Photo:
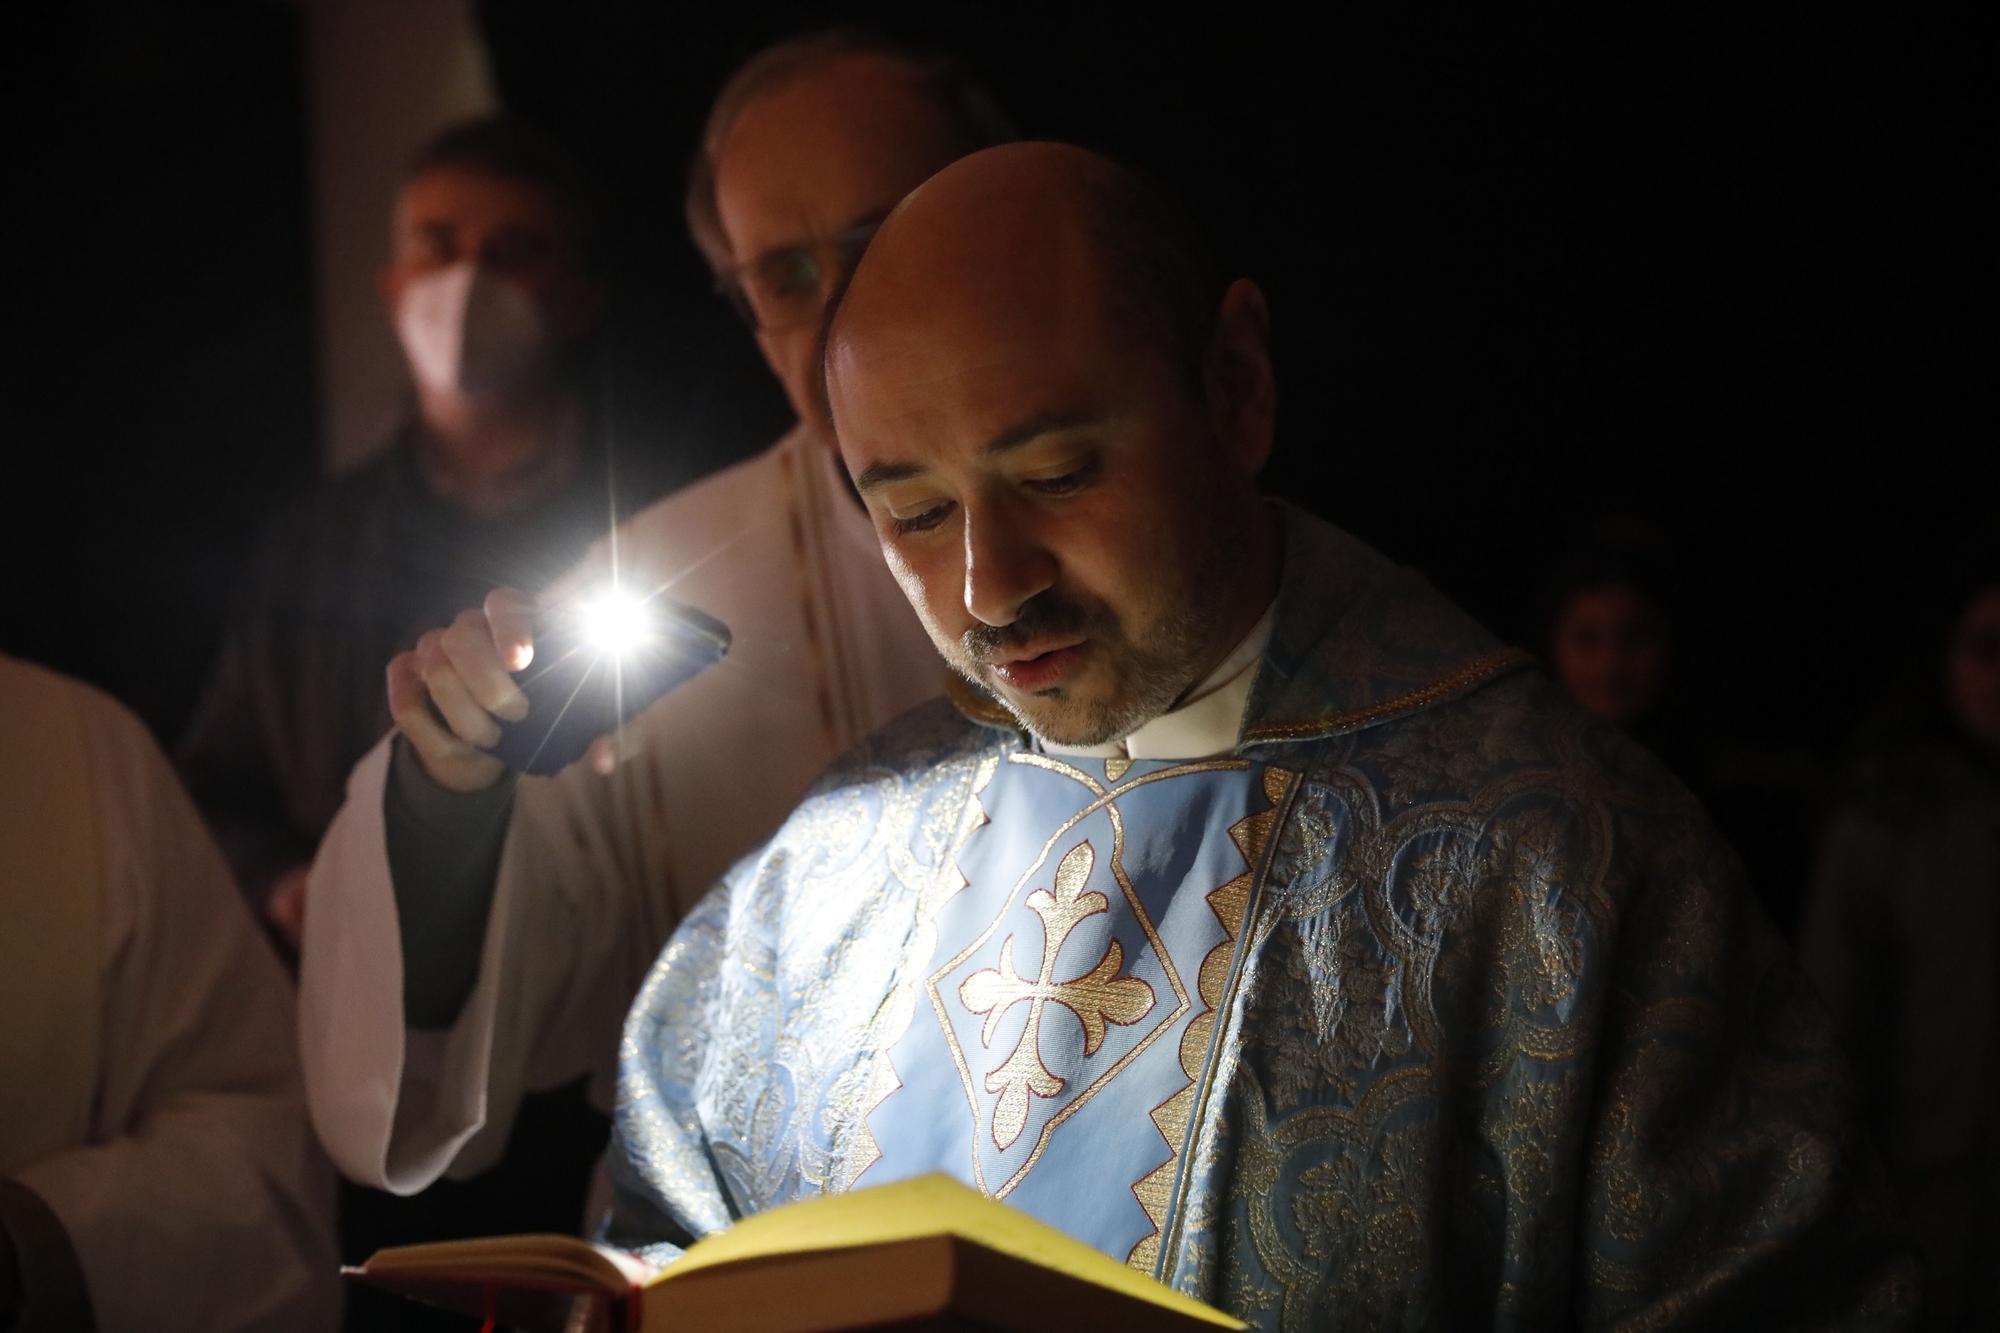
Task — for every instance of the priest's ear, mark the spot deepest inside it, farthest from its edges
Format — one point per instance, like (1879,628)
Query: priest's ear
(1237,378)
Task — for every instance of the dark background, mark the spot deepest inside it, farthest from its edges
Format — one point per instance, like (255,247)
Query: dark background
(1729,272)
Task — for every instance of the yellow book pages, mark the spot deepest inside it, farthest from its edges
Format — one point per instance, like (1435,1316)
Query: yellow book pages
(927,1206)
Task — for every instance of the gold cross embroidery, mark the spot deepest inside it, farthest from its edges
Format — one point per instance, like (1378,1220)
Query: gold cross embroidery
(1097,997)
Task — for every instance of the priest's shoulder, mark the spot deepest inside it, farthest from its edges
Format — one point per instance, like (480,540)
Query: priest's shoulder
(1518,745)
(1531,716)
(933,735)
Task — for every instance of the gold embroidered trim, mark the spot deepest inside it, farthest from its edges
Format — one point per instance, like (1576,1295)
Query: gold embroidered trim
(1473,673)
(1182,1002)
(1107,802)
(1053,765)
(1105,995)
(1231,903)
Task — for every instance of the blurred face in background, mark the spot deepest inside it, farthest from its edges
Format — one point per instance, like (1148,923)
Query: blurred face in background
(1972,669)
(806,173)
(1610,650)
(486,287)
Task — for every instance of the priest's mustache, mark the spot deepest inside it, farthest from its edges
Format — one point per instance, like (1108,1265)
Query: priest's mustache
(1047,616)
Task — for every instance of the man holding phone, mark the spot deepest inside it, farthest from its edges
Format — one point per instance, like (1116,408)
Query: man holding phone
(497,474)
(476,934)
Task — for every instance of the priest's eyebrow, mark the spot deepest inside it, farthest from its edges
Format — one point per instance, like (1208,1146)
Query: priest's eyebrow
(877,475)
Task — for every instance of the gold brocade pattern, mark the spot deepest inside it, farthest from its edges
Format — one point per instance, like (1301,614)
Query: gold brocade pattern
(1497,1039)
(893,1019)
(1474,673)
(1516,951)
(1102,995)
(1231,904)
(1106,801)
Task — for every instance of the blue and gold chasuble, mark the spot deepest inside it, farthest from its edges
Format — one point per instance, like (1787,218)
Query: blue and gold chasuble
(1065,1019)
(1432,1004)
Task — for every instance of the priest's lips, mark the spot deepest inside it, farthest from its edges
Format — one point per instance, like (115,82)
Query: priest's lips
(1039,666)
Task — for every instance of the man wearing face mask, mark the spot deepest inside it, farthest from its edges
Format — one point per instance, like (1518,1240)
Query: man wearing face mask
(496,477)
(493,479)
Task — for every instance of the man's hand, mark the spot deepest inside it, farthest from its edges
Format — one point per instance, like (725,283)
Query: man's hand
(285,904)
(463,672)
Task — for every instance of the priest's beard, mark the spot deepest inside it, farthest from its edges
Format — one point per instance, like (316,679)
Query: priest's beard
(1140,664)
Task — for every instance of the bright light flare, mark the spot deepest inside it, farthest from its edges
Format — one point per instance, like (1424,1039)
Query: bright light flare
(615,622)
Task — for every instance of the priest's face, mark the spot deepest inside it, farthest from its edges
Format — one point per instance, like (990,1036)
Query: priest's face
(1067,515)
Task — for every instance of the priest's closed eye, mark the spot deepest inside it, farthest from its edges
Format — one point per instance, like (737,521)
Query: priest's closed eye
(921,521)
(1068,482)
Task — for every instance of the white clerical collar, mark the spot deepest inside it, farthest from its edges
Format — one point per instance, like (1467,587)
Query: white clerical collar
(1209,718)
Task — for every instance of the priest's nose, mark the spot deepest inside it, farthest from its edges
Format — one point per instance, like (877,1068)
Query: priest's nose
(1005,565)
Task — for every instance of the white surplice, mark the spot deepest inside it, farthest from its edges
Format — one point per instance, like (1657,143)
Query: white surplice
(175,1150)
(595,871)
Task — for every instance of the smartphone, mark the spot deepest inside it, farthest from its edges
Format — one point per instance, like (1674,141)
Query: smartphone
(585,681)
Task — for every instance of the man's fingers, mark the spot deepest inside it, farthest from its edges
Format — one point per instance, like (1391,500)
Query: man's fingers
(510,618)
(471,723)
(410,707)
(469,646)
(285,907)
(450,761)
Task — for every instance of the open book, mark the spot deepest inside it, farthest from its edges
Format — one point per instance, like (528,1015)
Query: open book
(927,1249)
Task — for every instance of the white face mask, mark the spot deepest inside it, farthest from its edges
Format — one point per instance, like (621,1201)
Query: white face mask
(468,331)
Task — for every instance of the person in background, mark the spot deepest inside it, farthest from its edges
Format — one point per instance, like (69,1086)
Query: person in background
(157,1171)
(1902,932)
(1612,625)
(1622,640)
(475,935)
(499,475)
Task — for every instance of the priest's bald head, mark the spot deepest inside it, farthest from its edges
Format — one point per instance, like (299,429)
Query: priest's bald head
(1056,417)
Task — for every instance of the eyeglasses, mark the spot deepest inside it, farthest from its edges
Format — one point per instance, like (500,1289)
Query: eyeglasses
(787,288)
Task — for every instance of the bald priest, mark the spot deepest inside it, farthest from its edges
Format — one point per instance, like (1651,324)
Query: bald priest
(1251,915)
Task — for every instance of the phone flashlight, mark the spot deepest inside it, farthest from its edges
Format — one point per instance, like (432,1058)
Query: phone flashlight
(598,663)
